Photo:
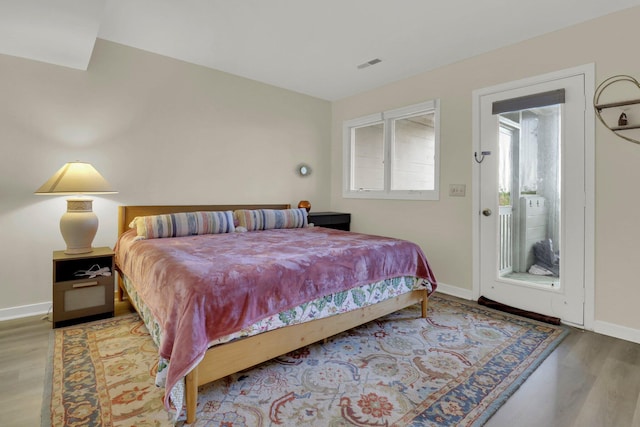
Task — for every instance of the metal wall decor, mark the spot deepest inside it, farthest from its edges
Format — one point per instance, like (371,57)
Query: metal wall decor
(625,121)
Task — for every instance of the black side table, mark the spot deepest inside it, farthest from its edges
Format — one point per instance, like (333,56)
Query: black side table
(337,220)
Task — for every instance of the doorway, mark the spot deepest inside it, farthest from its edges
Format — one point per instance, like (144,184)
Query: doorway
(532,178)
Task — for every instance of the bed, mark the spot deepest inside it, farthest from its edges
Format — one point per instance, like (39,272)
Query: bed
(230,348)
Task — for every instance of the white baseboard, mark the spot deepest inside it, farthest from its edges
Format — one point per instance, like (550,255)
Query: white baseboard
(617,331)
(455,291)
(24,311)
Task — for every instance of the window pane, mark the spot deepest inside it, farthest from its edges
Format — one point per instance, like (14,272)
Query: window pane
(413,152)
(505,141)
(368,157)
(530,229)
(393,154)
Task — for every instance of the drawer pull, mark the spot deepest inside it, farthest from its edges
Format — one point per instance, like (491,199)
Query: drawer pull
(85,284)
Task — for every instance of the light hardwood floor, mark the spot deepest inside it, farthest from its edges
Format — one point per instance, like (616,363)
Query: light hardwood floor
(590,380)
(24,347)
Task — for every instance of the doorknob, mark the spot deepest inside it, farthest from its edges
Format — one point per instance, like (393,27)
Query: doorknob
(486,212)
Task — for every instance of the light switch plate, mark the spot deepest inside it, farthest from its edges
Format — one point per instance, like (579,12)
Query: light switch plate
(457,190)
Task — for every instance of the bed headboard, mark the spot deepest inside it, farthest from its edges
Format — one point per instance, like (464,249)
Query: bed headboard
(126,214)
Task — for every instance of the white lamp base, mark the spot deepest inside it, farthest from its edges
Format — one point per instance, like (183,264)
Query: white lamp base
(79,226)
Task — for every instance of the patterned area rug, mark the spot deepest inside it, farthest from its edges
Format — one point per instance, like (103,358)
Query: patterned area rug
(455,368)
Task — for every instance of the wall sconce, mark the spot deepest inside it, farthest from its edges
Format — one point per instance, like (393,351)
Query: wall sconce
(304,169)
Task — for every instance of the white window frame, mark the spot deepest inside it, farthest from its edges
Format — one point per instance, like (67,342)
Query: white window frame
(385,117)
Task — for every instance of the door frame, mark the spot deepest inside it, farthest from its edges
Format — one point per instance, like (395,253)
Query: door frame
(588,70)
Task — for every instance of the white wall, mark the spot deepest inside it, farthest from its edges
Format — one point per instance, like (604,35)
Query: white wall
(160,131)
(444,228)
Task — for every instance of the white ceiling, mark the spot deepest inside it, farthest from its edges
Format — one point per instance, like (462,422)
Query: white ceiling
(311,47)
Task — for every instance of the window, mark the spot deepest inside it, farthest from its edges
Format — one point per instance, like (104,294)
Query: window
(393,154)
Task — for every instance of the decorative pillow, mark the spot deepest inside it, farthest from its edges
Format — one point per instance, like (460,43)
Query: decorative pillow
(265,219)
(183,224)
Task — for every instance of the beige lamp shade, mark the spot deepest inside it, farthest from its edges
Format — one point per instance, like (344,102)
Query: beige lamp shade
(79,224)
(76,178)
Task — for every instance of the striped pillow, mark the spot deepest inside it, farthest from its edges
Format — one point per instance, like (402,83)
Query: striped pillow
(265,219)
(183,224)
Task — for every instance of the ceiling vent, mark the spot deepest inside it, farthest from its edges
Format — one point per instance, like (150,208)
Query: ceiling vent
(369,63)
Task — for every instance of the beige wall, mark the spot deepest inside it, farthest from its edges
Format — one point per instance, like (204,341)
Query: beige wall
(163,131)
(444,228)
(160,131)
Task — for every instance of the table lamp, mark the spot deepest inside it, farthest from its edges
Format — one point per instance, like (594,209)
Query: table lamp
(79,224)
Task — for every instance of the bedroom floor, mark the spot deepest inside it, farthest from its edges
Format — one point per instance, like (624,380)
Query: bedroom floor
(590,380)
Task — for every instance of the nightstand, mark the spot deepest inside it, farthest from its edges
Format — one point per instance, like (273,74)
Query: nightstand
(337,220)
(78,297)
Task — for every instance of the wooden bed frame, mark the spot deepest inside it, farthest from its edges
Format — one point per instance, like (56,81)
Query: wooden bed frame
(225,359)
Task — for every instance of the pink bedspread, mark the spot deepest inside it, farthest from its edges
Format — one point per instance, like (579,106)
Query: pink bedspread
(200,288)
